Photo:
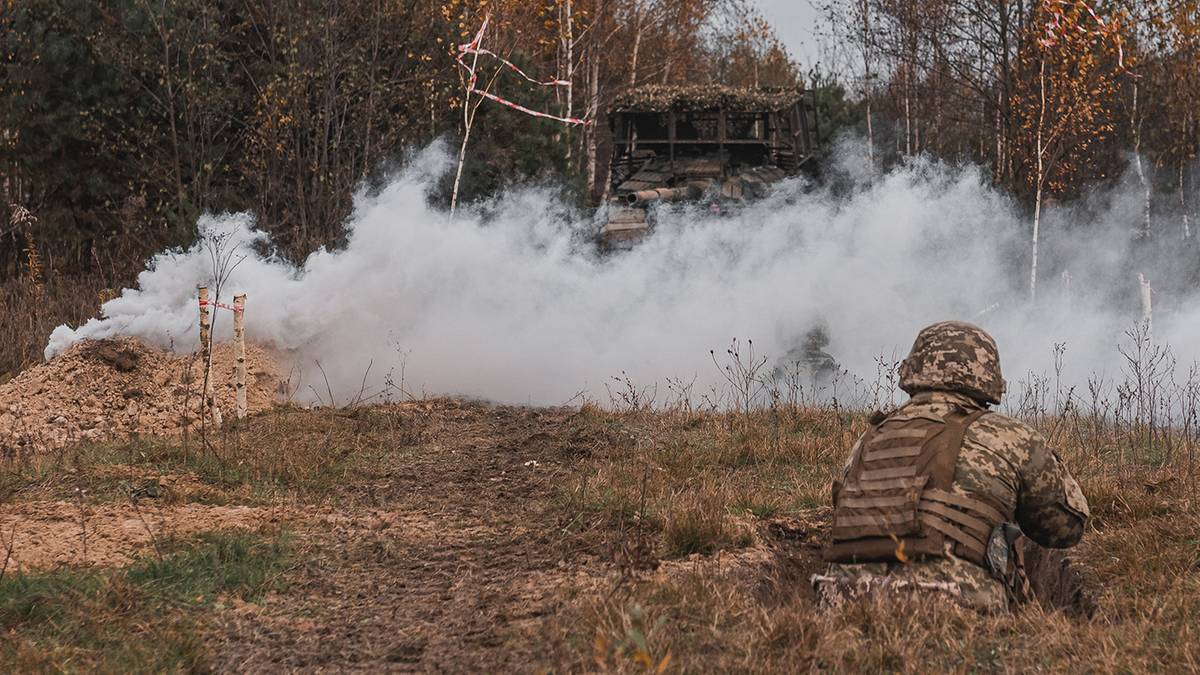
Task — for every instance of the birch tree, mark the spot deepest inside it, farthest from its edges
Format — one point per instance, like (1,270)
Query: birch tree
(1064,97)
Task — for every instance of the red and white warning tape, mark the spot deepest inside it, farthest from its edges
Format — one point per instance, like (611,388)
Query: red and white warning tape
(527,111)
(475,48)
(1054,28)
(221,305)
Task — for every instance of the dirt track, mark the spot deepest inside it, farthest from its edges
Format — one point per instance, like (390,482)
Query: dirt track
(450,558)
(459,566)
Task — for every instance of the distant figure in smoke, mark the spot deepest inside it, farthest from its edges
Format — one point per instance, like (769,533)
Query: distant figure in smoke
(809,361)
(938,496)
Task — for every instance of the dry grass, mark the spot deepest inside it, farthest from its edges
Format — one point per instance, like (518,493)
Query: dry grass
(1140,559)
(142,618)
(700,480)
(31,311)
(280,454)
(696,531)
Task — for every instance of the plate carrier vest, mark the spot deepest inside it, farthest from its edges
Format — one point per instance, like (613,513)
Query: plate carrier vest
(897,503)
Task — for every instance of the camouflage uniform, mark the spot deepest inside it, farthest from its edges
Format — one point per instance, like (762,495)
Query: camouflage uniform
(810,360)
(955,365)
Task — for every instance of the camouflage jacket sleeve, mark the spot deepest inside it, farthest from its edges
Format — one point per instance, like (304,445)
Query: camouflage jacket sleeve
(854,450)
(1046,500)
(1051,509)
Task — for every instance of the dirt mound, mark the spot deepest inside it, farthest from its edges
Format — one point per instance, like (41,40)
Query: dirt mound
(104,389)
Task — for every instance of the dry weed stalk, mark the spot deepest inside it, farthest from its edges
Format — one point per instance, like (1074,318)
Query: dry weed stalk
(8,549)
(81,506)
(21,219)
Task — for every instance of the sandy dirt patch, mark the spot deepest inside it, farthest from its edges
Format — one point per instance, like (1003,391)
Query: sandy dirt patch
(104,389)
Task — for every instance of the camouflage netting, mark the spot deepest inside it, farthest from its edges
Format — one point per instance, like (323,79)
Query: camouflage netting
(661,98)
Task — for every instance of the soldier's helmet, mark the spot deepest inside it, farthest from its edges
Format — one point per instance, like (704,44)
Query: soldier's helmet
(954,356)
(816,339)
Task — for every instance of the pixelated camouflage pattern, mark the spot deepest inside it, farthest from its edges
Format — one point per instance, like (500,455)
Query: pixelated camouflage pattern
(949,579)
(954,356)
(1008,464)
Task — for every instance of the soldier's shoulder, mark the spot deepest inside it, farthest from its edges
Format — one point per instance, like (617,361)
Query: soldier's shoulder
(997,430)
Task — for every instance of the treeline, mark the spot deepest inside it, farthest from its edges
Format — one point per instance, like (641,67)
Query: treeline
(122,120)
(1052,96)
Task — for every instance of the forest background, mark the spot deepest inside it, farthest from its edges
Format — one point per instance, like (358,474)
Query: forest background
(121,121)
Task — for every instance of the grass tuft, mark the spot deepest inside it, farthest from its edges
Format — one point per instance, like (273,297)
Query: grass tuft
(144,618)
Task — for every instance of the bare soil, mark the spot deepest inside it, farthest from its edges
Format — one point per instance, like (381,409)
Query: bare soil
(59,533)
(100,390)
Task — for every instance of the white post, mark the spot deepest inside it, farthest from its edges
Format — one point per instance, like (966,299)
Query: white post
(239,352)
(205,354)
(208,407)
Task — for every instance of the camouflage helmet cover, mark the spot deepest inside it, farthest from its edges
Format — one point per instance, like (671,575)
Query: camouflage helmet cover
(954,356)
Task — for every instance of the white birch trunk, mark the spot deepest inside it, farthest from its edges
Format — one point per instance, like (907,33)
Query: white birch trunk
(468,120)
(637,44)
(1041,181)
(908,130)
(1147,304)
(593,110)
(570,77)
(462,158)
(1037,224)
(866,37)
(1183,204)
(1136,122)
(239,353)
(208,405)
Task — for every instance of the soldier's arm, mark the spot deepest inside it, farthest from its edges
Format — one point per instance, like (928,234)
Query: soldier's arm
(857,448)
(1051,509)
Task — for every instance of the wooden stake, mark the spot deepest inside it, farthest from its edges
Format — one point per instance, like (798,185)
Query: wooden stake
(207,404)
(204,321)
(239,352)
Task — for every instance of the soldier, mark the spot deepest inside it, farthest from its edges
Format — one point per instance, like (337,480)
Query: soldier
(810,362)
(936,495)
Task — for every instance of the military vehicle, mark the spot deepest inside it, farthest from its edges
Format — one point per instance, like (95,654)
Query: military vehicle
(712,144)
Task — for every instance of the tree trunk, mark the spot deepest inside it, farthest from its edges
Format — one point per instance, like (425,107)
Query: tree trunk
(866,53)
(570,76)
(637,43)
(169,82)
(1183,203)
(1041,184)
(1147,294)
(593,110)
(1136,123)
(370,107)
(1037,224)
(468,120)
(462,158)
(908,133)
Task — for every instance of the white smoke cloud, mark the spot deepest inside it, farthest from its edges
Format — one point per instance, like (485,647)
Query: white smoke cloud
(517,306)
